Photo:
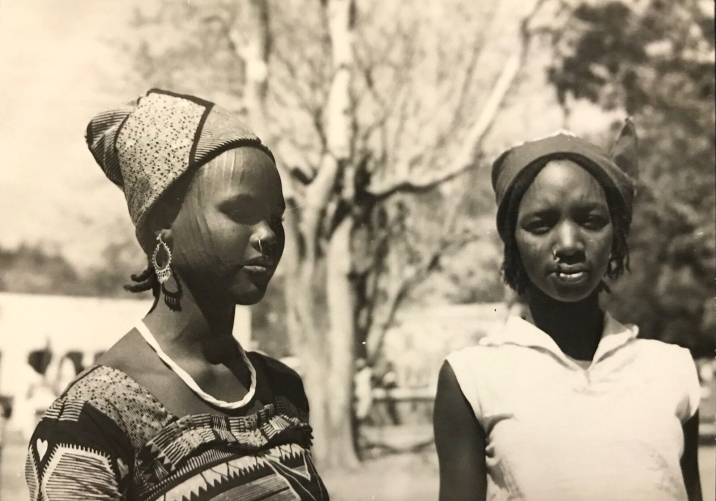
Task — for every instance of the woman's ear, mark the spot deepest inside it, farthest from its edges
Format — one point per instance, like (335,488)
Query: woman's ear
(156,225)
(624,151)
(167,237)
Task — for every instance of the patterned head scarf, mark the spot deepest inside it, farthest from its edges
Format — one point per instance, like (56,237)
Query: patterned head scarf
(146,145)
(617,171)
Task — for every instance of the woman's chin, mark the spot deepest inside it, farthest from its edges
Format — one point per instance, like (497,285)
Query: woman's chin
(566,290)
(248,295)
(571,294)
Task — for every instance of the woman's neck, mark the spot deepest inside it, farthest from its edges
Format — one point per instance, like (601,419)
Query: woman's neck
(202,328)
(576,327)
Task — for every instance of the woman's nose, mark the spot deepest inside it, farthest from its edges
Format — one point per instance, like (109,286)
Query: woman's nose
(263,238)
(569,242)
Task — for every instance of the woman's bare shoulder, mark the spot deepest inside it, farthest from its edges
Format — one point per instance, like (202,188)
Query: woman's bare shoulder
(132,355)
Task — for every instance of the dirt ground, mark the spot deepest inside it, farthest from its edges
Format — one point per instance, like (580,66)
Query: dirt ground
(398,477)
(414,477)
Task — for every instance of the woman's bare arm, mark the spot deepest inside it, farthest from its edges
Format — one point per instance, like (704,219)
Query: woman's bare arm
(690,459)
(460,442)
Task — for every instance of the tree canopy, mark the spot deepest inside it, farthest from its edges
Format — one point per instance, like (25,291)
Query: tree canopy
(654,61)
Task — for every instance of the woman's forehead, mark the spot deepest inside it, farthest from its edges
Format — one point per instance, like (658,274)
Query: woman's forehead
(564,181)
(241,170)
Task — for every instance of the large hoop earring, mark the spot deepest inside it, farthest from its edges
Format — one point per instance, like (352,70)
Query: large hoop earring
(163,272)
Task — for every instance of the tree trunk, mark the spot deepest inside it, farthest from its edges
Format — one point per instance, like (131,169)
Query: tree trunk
(327,354)
(341,343)
(299,264)
(255,54)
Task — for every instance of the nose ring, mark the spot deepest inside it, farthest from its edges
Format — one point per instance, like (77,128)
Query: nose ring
(260,247)
(554,254)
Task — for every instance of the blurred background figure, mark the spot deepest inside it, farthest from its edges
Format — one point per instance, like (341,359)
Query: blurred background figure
(363,383)
(706,375)
(39,390)
(388,382)
(68,368)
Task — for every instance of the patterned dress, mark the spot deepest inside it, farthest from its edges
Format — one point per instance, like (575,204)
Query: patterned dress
(108,438)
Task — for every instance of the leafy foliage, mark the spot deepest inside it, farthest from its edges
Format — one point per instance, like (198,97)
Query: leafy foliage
(33,269)
(655,61)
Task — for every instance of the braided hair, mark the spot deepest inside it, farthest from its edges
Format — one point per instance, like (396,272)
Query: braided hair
(513,271)
(146,280)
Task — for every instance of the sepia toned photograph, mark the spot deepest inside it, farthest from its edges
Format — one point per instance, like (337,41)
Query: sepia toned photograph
(357,250)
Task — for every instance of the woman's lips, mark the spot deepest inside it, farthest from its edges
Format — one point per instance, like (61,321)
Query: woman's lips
(256,269)
(571,275)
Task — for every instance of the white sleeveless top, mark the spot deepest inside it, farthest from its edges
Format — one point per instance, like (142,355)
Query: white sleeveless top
(556,431)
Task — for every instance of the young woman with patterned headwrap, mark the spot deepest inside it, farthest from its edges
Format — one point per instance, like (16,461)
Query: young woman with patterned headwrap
(177,409)
(566,403)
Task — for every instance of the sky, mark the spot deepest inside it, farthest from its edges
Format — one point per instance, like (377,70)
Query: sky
(57,60)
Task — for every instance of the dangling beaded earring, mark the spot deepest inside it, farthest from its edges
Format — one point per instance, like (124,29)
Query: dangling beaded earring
(163,272)
(171,298)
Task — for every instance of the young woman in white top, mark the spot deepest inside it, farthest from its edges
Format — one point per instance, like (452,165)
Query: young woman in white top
(566,403)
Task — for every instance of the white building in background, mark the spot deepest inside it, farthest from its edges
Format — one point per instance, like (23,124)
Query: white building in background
(31,322)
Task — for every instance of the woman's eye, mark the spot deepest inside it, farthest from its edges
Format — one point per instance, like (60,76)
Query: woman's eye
(538,227)
(595,222)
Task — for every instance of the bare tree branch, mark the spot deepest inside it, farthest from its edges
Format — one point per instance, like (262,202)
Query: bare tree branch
(401,292)
(465,159)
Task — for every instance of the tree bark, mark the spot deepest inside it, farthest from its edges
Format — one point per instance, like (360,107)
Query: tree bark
(255,53)
(334,442)
(341,342)
(326,353)
(300,260)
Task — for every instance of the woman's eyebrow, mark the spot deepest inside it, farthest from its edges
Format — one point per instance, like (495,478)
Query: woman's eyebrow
(539,211)
(239,198)
(591,205)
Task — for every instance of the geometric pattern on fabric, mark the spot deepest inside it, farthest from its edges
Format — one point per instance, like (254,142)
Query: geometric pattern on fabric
(222,130)
(117,441)
(281,473)
(240,442)
(101,137)
(146,145)
(31,474)
(254,432)
(77,473)
(154,147)
(134,410)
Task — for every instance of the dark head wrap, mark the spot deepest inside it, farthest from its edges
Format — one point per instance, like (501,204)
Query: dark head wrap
(146,145)
(617,171)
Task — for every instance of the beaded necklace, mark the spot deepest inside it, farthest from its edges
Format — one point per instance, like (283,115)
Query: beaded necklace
(189,381)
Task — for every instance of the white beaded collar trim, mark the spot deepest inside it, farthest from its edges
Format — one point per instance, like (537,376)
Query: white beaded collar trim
(189,381)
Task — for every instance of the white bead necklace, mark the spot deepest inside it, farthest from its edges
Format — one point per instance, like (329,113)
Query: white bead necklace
(151,341)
